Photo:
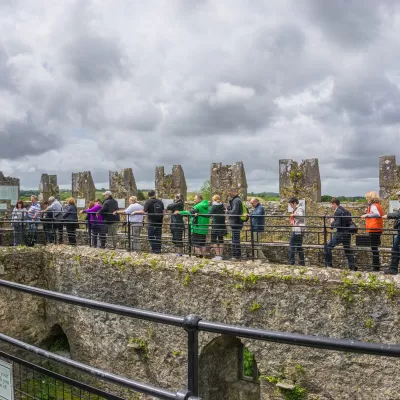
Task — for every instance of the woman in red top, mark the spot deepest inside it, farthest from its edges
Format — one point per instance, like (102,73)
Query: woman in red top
(374,226)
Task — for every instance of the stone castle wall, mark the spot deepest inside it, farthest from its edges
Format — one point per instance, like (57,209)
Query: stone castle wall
(314,301)
(122,184)
(225,177)
(300,180)
(83,186)
(48,187)
(168,185)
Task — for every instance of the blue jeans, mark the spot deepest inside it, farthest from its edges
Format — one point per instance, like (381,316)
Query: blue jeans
(340,238)
(33,231)
(296,245)
(154,234)
(394,263)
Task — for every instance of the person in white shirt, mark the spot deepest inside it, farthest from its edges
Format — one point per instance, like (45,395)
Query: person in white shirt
(135,221)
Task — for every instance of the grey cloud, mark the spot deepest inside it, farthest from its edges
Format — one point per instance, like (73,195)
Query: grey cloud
(349,23)
(21,138)
(93,59)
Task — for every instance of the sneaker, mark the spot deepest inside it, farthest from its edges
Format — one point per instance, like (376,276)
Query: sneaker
(390,271)
(353,268)
(217,258)
(373,269)
(179,255)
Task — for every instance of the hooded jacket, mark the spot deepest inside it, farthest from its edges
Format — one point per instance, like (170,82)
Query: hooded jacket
(199,223)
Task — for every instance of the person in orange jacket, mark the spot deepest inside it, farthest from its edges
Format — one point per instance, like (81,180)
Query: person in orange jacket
(374,227)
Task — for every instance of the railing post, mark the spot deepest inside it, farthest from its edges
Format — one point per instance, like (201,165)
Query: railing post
(189,237)
(252,239)
(190,325)
(129,234)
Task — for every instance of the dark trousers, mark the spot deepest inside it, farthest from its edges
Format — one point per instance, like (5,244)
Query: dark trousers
(375,238)
(18,233)
(394,263)
(98,234)
(71,233)
(59,227)
(236,248)
(154,233)
(345,240)
(296,246)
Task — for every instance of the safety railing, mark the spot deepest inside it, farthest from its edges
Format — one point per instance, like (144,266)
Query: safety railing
(192,324)
(274,239)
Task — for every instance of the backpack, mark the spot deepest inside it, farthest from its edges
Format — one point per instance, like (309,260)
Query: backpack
(245,211)
(158,208)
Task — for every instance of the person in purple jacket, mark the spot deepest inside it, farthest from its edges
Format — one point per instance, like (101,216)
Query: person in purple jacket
(96,224)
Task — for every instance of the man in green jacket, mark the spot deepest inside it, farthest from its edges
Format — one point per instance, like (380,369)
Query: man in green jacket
(199,221)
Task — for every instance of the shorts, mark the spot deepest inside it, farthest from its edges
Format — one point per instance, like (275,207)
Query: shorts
(217,236)
(198,240)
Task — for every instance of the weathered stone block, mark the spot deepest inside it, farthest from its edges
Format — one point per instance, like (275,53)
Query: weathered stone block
(389,176)
(169,185)
(48,187)
(122,184)
(300,180)
(224,177)
(83,186)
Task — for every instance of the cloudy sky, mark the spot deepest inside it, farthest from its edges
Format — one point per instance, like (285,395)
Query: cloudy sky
(106,84)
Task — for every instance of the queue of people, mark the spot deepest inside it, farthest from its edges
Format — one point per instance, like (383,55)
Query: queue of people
(103,222)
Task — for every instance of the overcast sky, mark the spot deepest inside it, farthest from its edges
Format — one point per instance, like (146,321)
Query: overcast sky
(106,84)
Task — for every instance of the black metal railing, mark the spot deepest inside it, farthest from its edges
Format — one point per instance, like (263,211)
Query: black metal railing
(274,240)
(192,324)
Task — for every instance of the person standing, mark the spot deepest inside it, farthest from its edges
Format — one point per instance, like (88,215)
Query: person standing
(235,212)
(96,224)
(199,221)
(394,261)
(135,221)
(70,218)
(341,235)
(47,222)
(56,209)
(154,208)
(257,220)
(374,227)
(218,226)
(17,220)
(177,226)
(298,222)
(107,211)
(33,216)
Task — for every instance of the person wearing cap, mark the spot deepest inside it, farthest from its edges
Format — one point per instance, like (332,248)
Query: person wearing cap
(56,209)
(394,262)
(107,211)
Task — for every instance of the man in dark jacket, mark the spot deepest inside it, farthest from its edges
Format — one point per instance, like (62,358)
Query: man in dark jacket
(235,212)
(257,219)
(154,208)
(394,262)
(109,206)
(341,236)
